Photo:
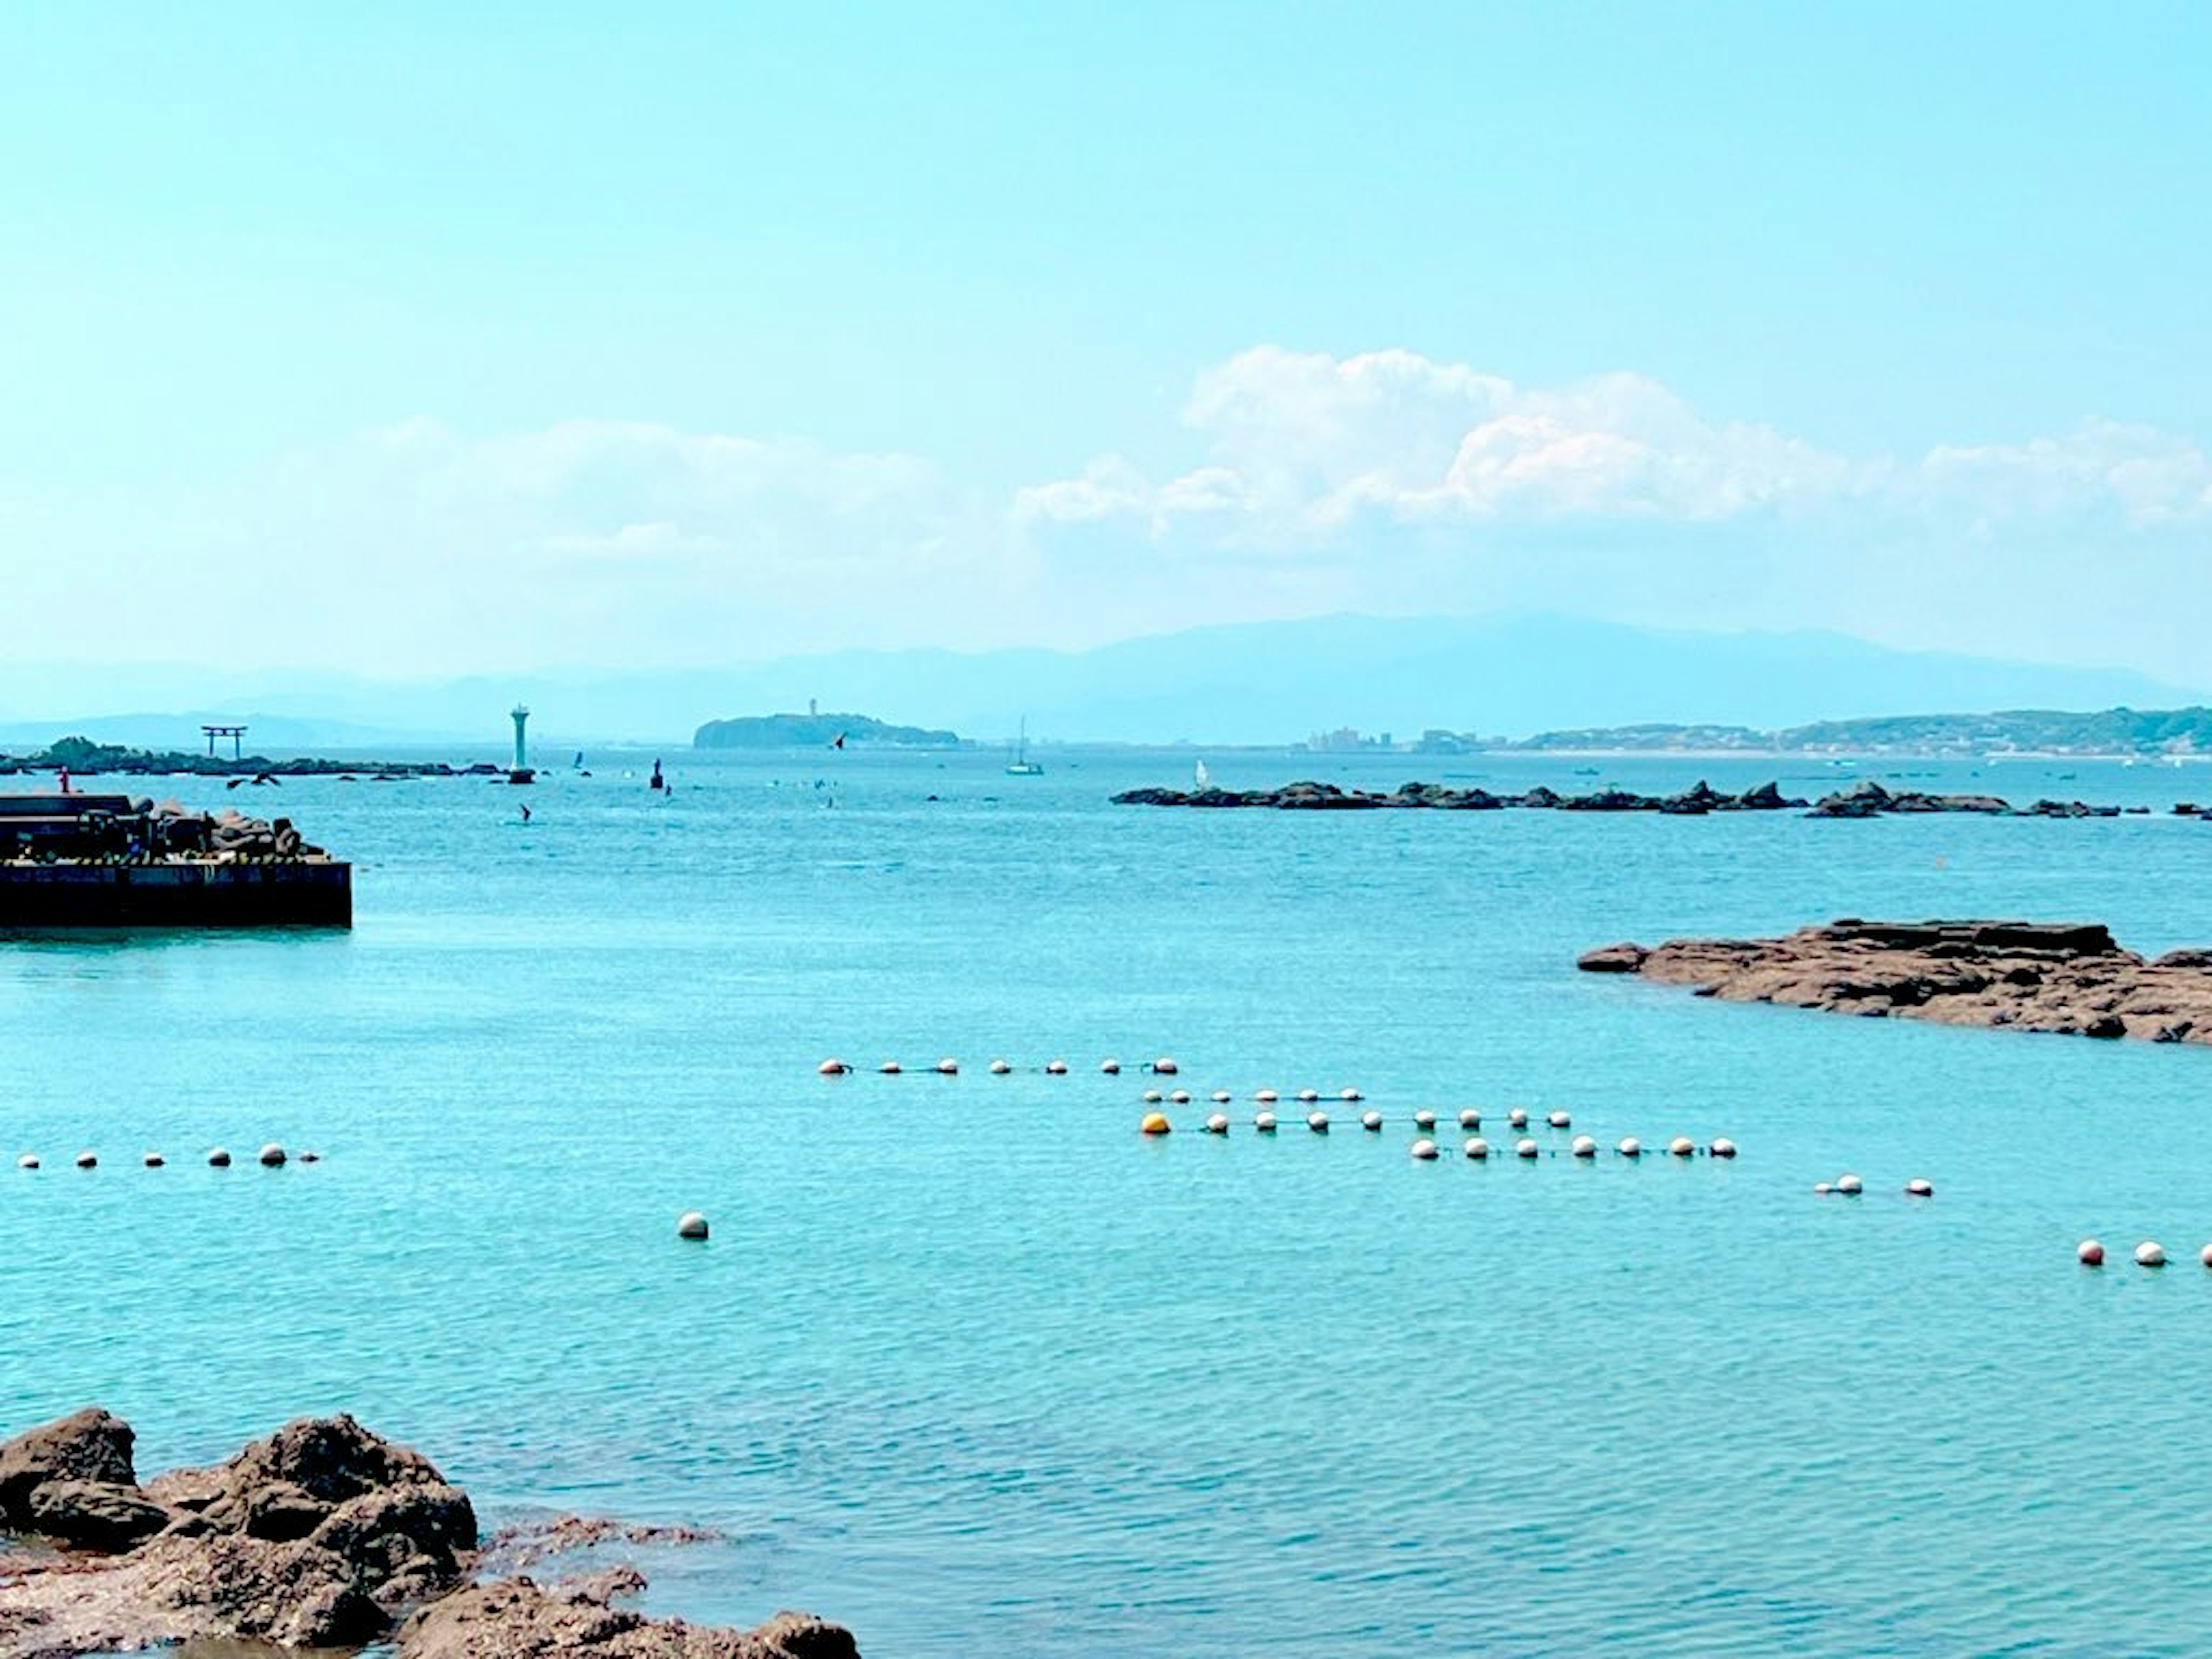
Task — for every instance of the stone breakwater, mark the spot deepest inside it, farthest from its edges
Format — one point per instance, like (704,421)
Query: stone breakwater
(2068,979)
(322,1535)
(1862,801)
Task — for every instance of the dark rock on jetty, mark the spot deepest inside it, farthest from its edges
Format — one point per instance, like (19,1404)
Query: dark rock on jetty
(1309,796)
(1867,800)
(2028,976)
(324,1534)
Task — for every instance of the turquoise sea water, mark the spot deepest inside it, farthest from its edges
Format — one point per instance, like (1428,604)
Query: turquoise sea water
(972,1366)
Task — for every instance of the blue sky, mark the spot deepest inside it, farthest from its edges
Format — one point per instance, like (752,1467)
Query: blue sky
(722,331)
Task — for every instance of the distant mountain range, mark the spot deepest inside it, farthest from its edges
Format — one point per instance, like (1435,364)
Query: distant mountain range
(1246,683)
(2018,730)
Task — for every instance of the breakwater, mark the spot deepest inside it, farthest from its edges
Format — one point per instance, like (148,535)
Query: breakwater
(1862,801)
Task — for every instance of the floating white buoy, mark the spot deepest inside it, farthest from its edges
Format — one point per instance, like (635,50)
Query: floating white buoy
(87,1161)
(1267,1096)
(1526,1149)
(2204,1256)
(2089,1253)
(1682,1147)
(1351,1096)
(1470,1119)
(1630,1146)
(1055,1068)
(691,1225)
(1318,1122)
(28,1161)
(219,1159)
(948,1068)
(1920,1188)
(1821,1189)
(1155,1123)
(1583,1147)
(1306,1097)
(1518,1118)
(1370,1121)
(833,1068)
(1264,1122)
(1111,1068)
(271,1156)
(2150,1254)
(154,1160)
(1724,1148)
(1218,1124)
(1477,1147)
(1153,1096)
(1222,1096)
(1425,1119)
(1424,1149)
(311,1158)
(999,1068)
(890,1068)
(1180,1097)
(1559,1120)
(1850,1185)
(1165,1067)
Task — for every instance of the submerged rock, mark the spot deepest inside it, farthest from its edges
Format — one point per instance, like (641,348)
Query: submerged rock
(2066,978)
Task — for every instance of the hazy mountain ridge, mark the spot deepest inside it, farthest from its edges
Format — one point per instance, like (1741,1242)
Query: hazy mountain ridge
(1257,684)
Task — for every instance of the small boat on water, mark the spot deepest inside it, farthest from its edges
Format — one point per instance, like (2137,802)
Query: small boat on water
(1022,765)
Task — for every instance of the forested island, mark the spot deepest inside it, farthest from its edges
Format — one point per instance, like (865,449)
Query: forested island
(817,732)
(2123,732)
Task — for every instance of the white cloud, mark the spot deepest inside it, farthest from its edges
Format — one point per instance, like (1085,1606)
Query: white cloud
(1304,448)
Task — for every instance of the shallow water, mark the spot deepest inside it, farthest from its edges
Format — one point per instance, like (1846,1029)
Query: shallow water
(970,1365)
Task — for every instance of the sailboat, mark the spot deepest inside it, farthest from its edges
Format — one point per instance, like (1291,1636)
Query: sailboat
(1205,778)
(1022,765)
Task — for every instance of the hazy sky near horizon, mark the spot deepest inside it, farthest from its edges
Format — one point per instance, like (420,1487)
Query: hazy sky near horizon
(426,339)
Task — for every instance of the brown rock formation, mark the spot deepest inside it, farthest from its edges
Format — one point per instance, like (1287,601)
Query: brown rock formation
(2029,976)
(517,1619)
(324,1534)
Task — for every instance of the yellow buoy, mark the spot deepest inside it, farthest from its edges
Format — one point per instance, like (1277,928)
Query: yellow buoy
(1155,1123)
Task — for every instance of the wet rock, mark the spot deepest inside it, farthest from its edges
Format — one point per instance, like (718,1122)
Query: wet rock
(518,1619)
(90,1445)
(2066,978)
(95,1515)
(320,1535)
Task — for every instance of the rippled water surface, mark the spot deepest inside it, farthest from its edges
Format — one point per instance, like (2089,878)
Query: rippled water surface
(972,1367)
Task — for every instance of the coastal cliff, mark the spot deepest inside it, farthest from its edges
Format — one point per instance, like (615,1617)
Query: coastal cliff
(2067,979)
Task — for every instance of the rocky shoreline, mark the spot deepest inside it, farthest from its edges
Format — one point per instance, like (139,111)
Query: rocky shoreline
(2066,978)
(322,1535)
(1866,800)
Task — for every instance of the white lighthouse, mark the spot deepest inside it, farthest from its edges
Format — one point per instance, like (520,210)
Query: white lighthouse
(521,715)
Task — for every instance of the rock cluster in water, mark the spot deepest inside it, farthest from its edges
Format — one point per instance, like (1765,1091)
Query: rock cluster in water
(2070,978)
(1862,801)
(324,1534)
(1327,797)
